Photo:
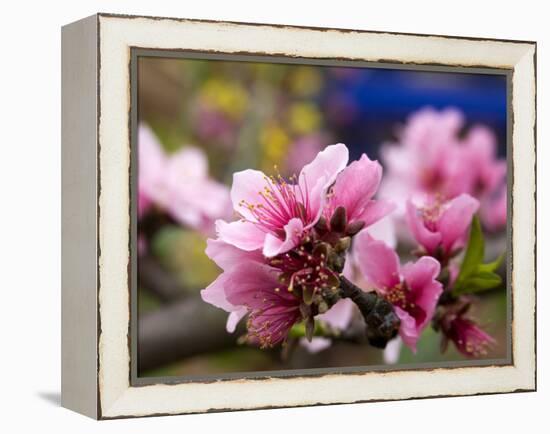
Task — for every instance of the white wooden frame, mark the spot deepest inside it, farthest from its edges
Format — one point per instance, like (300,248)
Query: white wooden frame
(96,217)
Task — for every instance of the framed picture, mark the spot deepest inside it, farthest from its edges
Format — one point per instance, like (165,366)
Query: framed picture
(261,216)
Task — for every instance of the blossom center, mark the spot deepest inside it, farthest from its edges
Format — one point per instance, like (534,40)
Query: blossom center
(402,297)
(431,213)
(306,271)
(470,338)
(268,323)
(280,202)
(432,180)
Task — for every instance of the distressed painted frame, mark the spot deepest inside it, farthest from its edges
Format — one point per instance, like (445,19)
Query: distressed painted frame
(96,212)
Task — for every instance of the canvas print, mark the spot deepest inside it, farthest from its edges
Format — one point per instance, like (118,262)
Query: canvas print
(304,216)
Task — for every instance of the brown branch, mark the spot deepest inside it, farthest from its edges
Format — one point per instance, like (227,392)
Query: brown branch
(182,329)
(382,324)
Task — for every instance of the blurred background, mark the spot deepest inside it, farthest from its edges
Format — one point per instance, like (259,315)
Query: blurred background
(238,115)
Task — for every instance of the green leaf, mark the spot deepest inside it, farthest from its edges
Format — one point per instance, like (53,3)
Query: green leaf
(481,281)
(491,266)
(474,275)
(474,252)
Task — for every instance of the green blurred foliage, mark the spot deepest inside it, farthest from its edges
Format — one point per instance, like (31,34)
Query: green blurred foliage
(181,251)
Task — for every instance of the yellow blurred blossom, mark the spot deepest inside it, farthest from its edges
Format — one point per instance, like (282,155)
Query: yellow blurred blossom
(228,96)
(304,117)
(274,142)
(305,81)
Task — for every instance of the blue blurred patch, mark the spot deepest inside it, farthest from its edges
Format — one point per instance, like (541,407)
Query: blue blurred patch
(364,105)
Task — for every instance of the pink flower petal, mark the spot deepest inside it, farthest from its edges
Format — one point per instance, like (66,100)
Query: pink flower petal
(393,351)
(378,263)
(317,176)
(429,240)
(241,234)
(250,283)
(375,210)
(246,187)
(355,186)
(397,159)
(407,330)
(234,318)
(152,162)
(240,288)
(384,230)
(215,293)
(427,300)
(456,219)
(482,142)
(494,211)
(185,215)
(274,246)
(188,164)
(420,273)
(227,255)
(494,175)
(420,277)
(199,204)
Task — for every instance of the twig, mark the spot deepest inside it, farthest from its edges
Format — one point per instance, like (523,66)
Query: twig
(183,329)
(382,324)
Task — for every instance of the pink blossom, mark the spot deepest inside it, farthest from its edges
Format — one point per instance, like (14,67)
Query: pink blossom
(427,159)
(431,158)
(488,173)
(251,287)
(281,240)
(227,257)
(354,190)
(382,230)
(412,289)
(179,184)
(494,211)
(441,227)
(274,212)
(272,310)
(467,336)
(262,288)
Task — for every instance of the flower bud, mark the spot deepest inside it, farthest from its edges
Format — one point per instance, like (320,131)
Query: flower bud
(354,227)
(322,225)
(339,220)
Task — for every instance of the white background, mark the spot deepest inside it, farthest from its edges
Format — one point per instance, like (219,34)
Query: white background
(30,218)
